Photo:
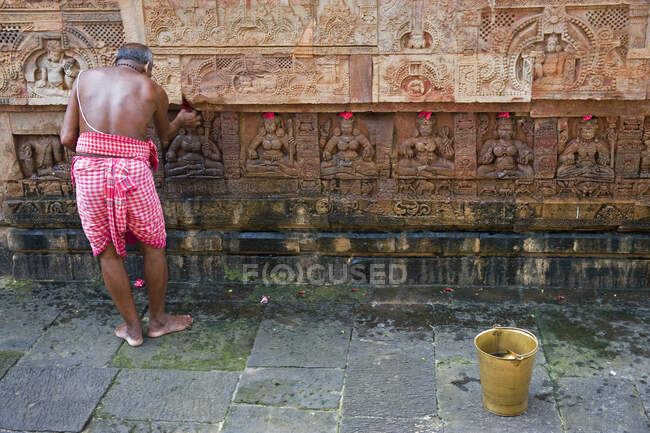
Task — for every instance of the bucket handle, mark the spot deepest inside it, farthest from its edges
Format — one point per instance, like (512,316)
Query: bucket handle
(519,357)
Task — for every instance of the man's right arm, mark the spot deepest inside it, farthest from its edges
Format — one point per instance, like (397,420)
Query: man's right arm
(167,130)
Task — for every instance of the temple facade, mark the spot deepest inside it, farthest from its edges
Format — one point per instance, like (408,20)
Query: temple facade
(510,138)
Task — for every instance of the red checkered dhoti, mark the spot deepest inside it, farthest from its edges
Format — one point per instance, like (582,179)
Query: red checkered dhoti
(116,197)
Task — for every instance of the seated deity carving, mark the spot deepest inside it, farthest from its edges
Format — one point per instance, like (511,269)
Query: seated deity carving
(54,72)
(272,152)
(348,154)
(587,155)
(504,157)
(553,65)
(425,153)
(193,154)
(43,157)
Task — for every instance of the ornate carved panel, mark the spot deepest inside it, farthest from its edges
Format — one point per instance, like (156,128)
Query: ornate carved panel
(416,78)
(346,22)
(266,79)
(172,23)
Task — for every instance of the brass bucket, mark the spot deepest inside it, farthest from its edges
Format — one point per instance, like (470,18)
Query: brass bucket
(505,359)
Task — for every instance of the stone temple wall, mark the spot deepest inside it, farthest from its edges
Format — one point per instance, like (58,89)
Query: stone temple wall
(339,128)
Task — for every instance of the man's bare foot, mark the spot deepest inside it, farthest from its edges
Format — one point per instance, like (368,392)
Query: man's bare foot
(168,324)
(134,338)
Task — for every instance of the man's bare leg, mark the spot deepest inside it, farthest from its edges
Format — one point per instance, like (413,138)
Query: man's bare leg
(155,274)
(119,287)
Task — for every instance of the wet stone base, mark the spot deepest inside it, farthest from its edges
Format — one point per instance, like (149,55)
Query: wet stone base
(406,266)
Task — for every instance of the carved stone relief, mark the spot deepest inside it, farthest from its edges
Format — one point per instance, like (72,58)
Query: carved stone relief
(348,152)
(503,156)
(272,150)
(262,79)
(428,151)
(346,22)
(43,157)
(588,155)
(225,23)
(416,78)
(196,153)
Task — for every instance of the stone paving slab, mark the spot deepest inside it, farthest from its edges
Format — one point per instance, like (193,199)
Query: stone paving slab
(643,388)
(207,345)
(118,426)
(475,314)
(383,321)
(169,395)
(57,399)
(460,403)
(78,338)
(22,323)
(456,344)
(7,359)
(596,342)
(306,388)
(379,369)
(391,425)
(263,419)
(601,405)
(301,341)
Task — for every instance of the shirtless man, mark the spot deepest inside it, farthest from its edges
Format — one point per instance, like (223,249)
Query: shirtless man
(106,123)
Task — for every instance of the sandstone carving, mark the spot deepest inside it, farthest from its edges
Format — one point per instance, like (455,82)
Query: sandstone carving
(43,157)
(416,78)
(587,155)
(505,157)
(195,153)
(51,72)
(272,152)
(348,153)
(426,153)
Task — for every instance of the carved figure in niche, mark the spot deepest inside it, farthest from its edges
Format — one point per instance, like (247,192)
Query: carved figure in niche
(193,154)
(553,65)
(505,157)
(426,153)
(43,157)
(587,155)
(55,72)
(348,153)
(272,152)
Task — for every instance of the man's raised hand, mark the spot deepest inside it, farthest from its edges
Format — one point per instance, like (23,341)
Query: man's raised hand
(189,118)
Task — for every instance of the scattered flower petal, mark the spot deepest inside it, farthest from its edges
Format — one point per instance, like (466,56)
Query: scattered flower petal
(302,292)
(426,114)
(449,289)
(268,115)
(363,294)
(612,372)
(342,332)
(587,117)
(559,297)
(265,300)
(423,359)
(354,289)
(345,114)
(504,114)
(229,290)
(138,283)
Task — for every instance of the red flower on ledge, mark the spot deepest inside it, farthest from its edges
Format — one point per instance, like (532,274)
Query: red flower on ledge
(587,117)
(269,115)
(346,115)
(426,114)
(504,114)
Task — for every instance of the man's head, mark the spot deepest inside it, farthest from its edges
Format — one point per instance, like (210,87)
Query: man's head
(135,53)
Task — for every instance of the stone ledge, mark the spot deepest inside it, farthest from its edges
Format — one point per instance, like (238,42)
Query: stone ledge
(417,243)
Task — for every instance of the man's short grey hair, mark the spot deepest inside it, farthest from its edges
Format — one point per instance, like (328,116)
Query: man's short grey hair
(136,52)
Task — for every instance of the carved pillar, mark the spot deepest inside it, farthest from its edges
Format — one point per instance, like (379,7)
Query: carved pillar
(230,143)
(465,134)
(629,146)
(132,13)
(307,150)
(546,138)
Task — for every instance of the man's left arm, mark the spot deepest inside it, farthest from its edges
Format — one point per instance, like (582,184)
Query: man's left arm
(70,128)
